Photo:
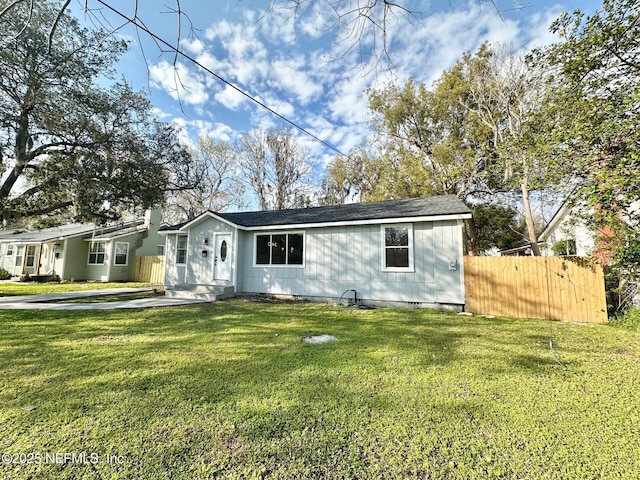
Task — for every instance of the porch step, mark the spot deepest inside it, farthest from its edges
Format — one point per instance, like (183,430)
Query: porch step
(210,293)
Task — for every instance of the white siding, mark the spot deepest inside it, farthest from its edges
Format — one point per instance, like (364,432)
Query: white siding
(199,269)
(173,274)
(342,258)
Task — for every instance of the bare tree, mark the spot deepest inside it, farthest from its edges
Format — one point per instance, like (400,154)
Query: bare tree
(219,188)
(504,95)
(276,167)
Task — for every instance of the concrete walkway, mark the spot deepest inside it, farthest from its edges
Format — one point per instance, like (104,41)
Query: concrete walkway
(42,301)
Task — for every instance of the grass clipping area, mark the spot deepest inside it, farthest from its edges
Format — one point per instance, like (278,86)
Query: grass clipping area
(230,390)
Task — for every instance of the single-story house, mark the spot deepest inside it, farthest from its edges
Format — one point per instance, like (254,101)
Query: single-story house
(82,251)
(407,252)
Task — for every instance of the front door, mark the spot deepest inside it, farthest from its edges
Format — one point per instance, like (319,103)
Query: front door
(222,257)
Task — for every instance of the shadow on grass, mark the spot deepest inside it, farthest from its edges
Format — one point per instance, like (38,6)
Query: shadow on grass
(225,351)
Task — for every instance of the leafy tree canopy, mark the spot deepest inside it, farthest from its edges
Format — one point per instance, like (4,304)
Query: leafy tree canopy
(593,113)
(66,141)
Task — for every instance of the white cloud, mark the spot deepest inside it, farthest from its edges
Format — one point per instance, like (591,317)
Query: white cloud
(279,25)
(348,102)
(194,45)
(279,105)
(230,98)
(539,28)
(245,56)
(288,74)
(315,24)
(190,130)
(180,82)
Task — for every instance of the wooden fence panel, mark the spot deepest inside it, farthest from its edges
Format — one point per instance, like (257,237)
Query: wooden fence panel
(149,269)
(553,288)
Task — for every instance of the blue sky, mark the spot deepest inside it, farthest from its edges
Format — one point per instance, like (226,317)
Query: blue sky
(303,69)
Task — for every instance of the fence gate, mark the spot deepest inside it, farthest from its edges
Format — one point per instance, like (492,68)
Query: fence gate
(553,288)
(149,269)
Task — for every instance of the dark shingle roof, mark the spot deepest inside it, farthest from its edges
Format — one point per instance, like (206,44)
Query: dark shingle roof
(415,207)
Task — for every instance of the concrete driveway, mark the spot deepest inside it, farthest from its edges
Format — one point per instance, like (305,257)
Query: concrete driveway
(44,301)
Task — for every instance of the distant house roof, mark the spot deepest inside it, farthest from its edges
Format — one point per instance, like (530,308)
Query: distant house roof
(121,232)
(62,232)
(422,208)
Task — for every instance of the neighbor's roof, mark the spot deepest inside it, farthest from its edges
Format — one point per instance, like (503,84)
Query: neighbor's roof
(105,235)
(438,206)
(66,231)
(47,234)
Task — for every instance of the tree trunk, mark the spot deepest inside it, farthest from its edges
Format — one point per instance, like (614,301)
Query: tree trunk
(528,218)
(470,238)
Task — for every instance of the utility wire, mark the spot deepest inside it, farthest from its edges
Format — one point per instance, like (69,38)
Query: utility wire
(134,22)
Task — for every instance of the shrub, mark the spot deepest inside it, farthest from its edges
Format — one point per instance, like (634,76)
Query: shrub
(564,247)
(4,274)
(630,318)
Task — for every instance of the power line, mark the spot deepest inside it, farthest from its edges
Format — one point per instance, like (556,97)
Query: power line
(134,22)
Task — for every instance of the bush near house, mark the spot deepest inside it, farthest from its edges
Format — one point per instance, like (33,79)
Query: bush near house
(230,390)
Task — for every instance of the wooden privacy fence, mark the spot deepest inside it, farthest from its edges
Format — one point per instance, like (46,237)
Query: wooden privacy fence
(553,288)
(149,269)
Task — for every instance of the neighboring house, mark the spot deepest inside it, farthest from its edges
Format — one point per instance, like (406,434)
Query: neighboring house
(567,232)
(395,252)
(570,235)
(82,251)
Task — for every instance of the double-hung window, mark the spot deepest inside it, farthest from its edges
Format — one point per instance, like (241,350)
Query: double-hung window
(19,255)
(96,253)
(397,248)
(181,250)
(280,249)
(122,253)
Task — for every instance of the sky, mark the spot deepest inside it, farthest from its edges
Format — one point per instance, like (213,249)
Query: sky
(303,67)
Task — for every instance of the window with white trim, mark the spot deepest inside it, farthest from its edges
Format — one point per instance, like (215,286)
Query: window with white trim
(181,250)
(122,254)
(397,251)
(9,250)
(96,253)
(19,255)
(280,249)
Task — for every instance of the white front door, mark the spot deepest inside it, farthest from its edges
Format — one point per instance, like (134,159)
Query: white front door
(222,257)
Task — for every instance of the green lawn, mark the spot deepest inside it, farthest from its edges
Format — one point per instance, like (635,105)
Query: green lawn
(229,390)
(30,288)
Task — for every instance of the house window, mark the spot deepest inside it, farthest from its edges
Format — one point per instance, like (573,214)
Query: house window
(19,255)
(96,253)
(160,250)
(181,250)
(31,255)
(280,249)
(9,250)
(397,252)
(122,253)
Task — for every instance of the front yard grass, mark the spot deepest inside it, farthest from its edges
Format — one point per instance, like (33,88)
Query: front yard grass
(229,390)
(31,288)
